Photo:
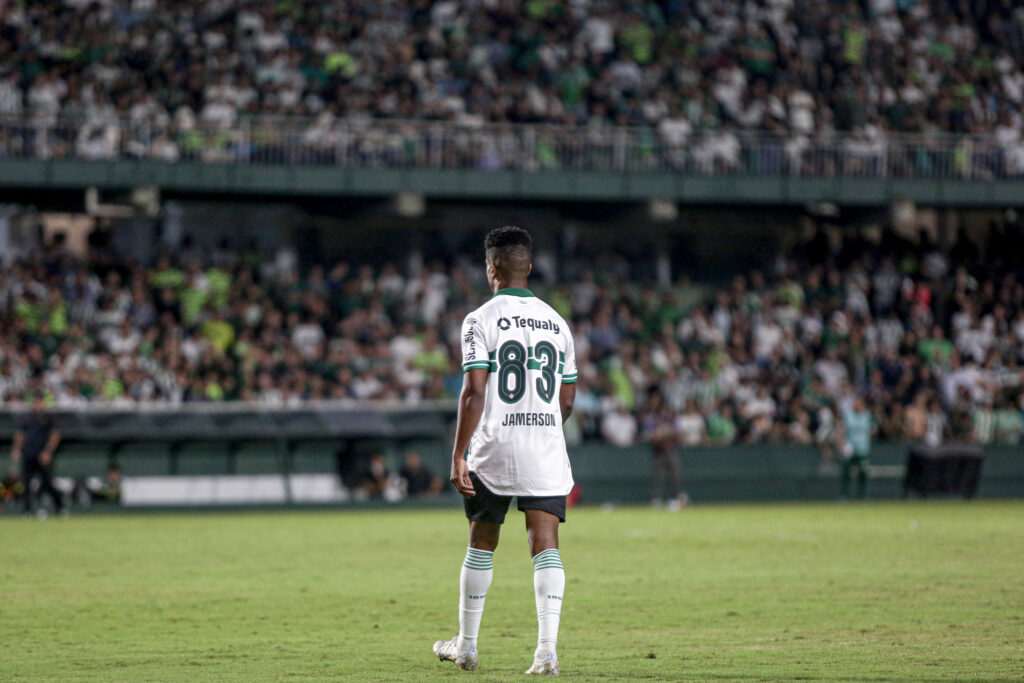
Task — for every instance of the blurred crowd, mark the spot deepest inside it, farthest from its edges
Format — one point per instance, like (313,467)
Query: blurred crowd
(932,339)
(174,79)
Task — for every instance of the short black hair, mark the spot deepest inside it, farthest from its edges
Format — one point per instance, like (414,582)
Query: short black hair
(508,236)
(510,250)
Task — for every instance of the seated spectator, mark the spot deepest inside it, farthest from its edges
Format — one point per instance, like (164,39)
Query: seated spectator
(619,427)
(690,425)
(96,490)
(375,478)
(419,481)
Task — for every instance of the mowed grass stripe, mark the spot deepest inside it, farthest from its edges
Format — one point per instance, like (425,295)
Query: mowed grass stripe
(901,592)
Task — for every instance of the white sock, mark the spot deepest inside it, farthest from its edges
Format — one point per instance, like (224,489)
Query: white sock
(548,588)
(475,580)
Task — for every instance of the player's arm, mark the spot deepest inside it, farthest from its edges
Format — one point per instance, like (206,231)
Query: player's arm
(471,407)
(567,393)
(566,398)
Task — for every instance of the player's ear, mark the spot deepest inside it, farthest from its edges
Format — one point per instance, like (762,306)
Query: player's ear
(529,268)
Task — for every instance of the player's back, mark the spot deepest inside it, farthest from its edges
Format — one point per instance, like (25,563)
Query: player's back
(527,348)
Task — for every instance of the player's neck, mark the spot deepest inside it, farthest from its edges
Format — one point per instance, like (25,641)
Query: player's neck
(518,283)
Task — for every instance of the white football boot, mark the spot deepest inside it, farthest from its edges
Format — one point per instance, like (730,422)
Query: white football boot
(545,665)
(448,651)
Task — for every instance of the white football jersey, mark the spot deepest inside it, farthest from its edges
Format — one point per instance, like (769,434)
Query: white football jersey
(518,449)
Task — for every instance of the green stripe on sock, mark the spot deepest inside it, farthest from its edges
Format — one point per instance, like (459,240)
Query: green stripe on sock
(548,559)
(481,560)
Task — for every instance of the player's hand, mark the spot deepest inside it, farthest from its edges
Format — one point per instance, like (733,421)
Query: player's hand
(45,459)
(460,478)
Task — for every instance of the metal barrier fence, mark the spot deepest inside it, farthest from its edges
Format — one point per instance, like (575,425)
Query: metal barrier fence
(348,143)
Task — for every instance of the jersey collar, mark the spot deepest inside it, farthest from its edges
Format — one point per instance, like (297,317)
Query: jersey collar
(514,291)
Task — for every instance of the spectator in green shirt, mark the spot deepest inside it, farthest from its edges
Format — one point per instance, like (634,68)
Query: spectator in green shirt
(935,349)
(218,331)
(28,310)
(721,425)
(58,313)
(212,389)
(431,357)
(1008,423)
(193,299)
(166,276)
(218,286)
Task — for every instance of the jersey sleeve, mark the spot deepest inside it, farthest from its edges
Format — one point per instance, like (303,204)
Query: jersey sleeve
(569,365)
(475,352)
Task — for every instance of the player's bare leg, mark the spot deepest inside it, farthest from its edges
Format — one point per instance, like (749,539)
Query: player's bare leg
(484,535)
(474,581)
(548,586)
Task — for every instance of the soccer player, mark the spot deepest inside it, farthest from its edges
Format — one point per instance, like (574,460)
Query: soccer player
(518,387)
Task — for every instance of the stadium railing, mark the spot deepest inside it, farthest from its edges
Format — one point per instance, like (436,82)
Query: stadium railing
(364,143)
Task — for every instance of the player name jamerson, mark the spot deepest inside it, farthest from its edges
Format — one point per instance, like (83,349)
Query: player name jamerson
(530,420)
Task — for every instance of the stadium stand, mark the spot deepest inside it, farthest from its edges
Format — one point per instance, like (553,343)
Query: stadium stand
(871,88)
(933,339)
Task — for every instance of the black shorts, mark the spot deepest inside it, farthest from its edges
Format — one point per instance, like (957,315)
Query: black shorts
(487,506)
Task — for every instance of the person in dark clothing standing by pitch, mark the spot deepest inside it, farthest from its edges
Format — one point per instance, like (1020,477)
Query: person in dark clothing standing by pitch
(660,431)
(34,447)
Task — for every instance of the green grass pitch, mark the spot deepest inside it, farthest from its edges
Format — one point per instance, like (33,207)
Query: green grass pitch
(886,591)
